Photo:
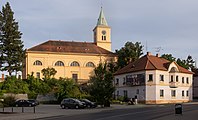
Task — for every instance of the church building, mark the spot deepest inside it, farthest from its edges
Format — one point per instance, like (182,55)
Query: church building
(70,59)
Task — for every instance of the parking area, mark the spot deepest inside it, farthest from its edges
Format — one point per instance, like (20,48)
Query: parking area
(42,111)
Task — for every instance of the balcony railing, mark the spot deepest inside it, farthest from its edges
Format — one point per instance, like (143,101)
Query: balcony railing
(173,84)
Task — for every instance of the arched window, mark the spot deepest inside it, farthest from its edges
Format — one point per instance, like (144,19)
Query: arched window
(74,63)
(173,70)
(37,62)
(90,64)
(59,63)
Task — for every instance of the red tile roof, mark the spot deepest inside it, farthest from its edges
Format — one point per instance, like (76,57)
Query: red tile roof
(70,47)
(149,62)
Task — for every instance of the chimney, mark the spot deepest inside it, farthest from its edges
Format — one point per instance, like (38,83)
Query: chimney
(148,53)
(157,55)
(2,77)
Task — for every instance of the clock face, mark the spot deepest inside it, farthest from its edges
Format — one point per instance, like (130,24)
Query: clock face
(104,32)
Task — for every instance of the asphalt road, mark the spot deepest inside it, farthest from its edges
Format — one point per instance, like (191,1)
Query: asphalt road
(162,112)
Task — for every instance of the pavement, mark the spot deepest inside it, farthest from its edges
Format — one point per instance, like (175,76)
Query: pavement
(47,111)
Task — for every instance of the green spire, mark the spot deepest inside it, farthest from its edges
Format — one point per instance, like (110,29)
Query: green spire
(101,19)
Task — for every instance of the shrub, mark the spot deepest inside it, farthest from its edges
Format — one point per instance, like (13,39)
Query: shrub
(32,95)
(9,101)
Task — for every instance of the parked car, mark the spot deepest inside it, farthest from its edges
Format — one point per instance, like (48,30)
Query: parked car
(89,104)
(72,103)
(34,101)
(24,103)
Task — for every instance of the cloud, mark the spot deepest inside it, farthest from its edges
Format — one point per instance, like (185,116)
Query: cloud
(170,24)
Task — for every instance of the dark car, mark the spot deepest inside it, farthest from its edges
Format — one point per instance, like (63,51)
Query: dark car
(89,104)
(72,103)
(34,101)
(24,103)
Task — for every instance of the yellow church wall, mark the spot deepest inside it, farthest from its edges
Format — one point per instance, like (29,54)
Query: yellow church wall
(66,71)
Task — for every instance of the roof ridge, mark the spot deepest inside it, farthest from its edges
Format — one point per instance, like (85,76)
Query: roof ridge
(69,41)
(151,61)
(39,44)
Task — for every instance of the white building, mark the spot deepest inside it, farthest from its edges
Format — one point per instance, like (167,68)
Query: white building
(195,87)
(154,80)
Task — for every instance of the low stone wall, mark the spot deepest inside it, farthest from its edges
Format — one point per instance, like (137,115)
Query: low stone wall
(16,96)
(47,97)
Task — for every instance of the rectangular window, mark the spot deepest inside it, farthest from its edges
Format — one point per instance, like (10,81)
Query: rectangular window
(38,75)
(124,81)
(187,81)
(183,93)
(117,81)
(177,78)
(150,77)
(187,93)
(75,77)
(104,37)
(172,78)
(118,93)
(183,80)
(137,91)
(161,93)
(125,93)
(173,93)
(161,77)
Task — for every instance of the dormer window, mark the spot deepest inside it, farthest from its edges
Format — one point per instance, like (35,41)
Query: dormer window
(173,70)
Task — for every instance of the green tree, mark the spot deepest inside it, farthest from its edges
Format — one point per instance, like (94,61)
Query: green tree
(37,86)
(67,88)
(48,72)
(182,63)
(113,67)
(168,57)
(188,63)
(101,87)
(129,53)
(12,53)
(14,85)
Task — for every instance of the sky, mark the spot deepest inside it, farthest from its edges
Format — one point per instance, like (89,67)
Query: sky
(170,26)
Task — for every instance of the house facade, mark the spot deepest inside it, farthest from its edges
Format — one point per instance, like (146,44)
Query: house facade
(154,80)
(70,59)
(195,87)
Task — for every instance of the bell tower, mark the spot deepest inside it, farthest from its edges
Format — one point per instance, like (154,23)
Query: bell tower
(102,33)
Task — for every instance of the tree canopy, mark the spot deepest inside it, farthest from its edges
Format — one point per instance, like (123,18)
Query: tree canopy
(101,86)
(129,53)
(48,72)
(189,63)
(11,46)
(168,57)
